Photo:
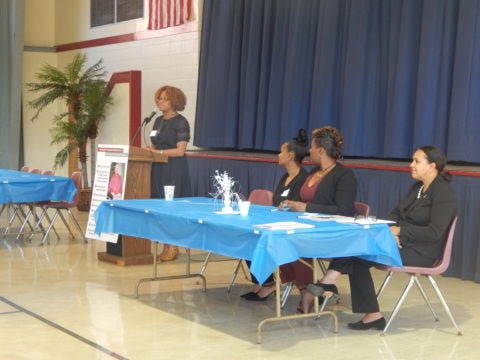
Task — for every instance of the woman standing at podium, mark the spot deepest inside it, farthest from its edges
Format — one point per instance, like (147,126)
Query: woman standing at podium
(170,135)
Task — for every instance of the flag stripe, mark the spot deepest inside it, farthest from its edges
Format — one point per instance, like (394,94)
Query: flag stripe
(167,13)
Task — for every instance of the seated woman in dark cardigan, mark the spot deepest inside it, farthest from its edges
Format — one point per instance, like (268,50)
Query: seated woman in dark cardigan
(422,221)
(290,157)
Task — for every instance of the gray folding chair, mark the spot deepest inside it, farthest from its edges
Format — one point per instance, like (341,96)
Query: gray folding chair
(361,209)
(61,206)
(259,197)
(415,272)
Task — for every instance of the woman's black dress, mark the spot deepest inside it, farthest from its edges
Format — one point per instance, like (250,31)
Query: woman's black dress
(175,171)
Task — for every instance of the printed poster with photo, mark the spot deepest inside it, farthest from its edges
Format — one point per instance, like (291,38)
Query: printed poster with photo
(109,184)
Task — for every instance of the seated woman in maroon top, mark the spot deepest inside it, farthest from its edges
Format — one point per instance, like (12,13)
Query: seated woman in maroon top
(330,188)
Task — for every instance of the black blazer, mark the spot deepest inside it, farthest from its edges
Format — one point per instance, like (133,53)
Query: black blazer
(424,221)
(336,193)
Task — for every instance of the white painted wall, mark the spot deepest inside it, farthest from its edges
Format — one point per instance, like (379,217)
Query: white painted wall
(162,57)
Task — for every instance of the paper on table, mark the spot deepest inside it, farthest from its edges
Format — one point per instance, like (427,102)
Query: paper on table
(323,217)
(365,221)
(344,219)
(283,225)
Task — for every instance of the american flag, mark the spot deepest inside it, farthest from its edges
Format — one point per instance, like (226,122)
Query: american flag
(167,13)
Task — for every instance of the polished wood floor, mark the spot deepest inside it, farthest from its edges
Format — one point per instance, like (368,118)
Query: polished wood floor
(59,302)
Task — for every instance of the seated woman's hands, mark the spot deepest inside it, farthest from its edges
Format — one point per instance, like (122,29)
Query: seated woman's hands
(396,233)
(293,205)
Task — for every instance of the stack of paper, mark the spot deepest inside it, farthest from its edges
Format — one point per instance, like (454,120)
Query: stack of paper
(283,225)
(322,217)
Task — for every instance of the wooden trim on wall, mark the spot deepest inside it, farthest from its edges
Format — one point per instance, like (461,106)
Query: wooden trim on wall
(134,79)
(358,164)
(118,39)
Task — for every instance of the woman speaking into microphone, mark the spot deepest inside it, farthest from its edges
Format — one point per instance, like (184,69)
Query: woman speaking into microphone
(170,136)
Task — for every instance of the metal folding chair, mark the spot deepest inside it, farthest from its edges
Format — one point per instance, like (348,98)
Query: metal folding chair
(361,209)
(259,197)
(59,207)
(415,272)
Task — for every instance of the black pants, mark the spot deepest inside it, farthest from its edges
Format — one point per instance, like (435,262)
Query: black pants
(362,289)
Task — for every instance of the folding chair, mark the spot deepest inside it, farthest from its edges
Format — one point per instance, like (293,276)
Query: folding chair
(258,197)
(30,206)
(9,205)
(414,272)
(361,209)
(18,210)
(58,207)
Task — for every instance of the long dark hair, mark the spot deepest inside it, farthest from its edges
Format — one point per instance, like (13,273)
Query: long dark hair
(435,155)
(298,145)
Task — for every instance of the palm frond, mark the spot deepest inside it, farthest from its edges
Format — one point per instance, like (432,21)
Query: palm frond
(83,91)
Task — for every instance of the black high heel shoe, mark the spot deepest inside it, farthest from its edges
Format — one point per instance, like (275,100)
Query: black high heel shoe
(378,324)
(318,289)
(251,293)
(256,297)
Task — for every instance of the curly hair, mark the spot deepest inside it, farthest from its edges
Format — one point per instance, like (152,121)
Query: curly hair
(176,97)
(330,139)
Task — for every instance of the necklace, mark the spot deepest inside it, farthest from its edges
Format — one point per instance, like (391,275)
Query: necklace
(291,176)
(419,194)
(322,172)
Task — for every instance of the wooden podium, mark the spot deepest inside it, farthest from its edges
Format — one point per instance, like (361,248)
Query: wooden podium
(131,250)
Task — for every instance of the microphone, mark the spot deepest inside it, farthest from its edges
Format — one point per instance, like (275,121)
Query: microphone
(145,121)
(148,119)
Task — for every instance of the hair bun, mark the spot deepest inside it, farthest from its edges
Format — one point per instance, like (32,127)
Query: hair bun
(301,137)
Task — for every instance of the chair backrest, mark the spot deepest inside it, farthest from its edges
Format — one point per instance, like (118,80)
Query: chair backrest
(444,262)
(361,209)
(261,197)
(441,265)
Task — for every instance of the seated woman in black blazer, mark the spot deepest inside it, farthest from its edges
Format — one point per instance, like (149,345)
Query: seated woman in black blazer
(422,220)
(330,188)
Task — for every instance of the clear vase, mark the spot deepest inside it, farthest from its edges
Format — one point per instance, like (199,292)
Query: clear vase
(227,203)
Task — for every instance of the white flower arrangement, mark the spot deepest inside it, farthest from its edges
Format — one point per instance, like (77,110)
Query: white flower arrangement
(225,188)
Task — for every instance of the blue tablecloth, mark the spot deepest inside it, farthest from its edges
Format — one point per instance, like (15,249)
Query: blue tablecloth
(194,223)
(23,187)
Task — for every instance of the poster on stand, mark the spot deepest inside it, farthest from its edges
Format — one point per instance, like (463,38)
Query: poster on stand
(109,184)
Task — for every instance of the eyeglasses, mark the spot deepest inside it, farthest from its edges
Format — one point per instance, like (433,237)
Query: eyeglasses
(162,99)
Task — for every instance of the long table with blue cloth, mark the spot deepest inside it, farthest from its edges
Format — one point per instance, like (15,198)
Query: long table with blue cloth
(23,187)
(20,187)
(266,237)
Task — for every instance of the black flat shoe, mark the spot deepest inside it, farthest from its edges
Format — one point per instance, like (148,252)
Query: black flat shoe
(376,324)
(251,293)
(318,289)
(256,297)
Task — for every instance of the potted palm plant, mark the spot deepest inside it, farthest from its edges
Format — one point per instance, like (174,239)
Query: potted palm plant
(83,91)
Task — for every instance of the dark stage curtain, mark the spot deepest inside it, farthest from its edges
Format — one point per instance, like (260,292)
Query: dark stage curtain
(392,75)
